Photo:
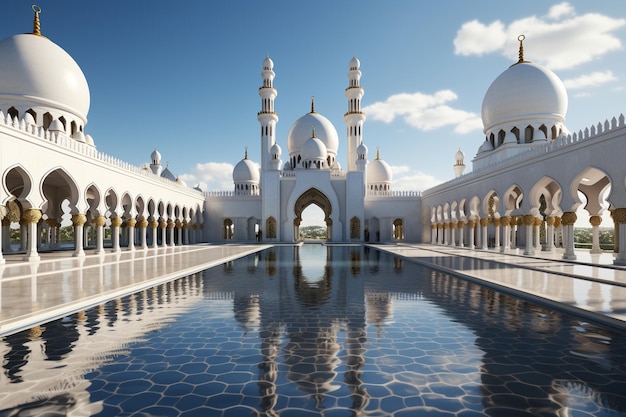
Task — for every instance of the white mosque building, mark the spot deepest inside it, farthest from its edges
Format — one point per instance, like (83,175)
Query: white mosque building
(521,193)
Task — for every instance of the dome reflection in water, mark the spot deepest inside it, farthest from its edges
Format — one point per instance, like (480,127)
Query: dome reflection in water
(313,329)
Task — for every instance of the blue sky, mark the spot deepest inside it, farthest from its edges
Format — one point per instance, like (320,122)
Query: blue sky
(183,76)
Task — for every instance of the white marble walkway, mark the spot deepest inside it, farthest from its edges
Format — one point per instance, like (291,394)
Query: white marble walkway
(590,286)
(59,284)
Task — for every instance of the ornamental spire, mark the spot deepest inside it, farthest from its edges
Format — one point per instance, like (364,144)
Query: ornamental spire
(377,153)
(36,23)
(312,104)
(246,153)
(521,38)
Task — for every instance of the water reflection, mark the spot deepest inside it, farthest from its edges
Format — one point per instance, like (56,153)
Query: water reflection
(291,331)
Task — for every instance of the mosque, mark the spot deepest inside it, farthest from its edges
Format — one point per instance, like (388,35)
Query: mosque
(523,190)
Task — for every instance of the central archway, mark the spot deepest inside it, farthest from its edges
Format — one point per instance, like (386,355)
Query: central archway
(312,196)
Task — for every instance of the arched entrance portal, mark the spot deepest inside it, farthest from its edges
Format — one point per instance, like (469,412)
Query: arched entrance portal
(312,196)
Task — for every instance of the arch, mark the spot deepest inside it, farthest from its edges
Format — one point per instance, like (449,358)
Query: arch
(228,229)
(270,227)
(312,196)
(594,183)
(550,189)
(58,185)
(512,199)
(491,204)
(17,184)
(355,228)
(398,229)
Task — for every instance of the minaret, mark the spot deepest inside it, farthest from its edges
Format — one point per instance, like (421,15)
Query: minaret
(354,117)
(267,116)
(459,165)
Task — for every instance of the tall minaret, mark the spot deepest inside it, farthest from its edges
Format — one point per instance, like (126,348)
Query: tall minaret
(267,116)
(354,117)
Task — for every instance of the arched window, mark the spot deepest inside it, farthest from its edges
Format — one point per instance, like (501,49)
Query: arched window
(270,228)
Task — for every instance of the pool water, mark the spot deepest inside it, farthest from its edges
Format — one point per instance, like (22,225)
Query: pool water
(316,331)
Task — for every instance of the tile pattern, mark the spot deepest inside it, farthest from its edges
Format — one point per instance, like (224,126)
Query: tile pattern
(315,331)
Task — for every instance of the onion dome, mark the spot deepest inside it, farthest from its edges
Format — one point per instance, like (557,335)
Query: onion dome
(300,133)
(276,151)
(361,151)
(459,155)
(39,75)
(268,64)
(155,157)
(355,64)
(526,94)
(314,150)
(246,171)
(379,172)
(180,181)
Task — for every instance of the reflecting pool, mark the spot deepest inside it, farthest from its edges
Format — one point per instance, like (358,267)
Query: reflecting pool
(310,331)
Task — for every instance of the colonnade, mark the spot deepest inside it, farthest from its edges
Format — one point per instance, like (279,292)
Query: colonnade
(135,234)
(524,232)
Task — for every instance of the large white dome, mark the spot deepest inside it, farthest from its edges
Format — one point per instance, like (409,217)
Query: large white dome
(524,93)
(379,171)
(37,73)
(246,171)
(300,133)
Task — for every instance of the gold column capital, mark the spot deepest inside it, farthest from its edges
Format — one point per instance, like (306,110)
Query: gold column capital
(568,218)
(619,215)
(100,221)
(31,215)
(484,222)
(116,221)
(142,224)
(79,219)
(131,222)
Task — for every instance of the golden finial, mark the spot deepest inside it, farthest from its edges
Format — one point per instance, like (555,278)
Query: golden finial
(246,153)
(521,38)
(377,153)
(313,131)
(312,104)
(36,24)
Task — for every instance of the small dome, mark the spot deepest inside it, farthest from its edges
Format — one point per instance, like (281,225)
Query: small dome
(314,149)
(155,156)
(89,140)
(268,64)
(56,126)
(459,155)
(246,171)
(485,147)
(79,136)
(180,181)
(355,64)
(361,149)
(36,72)
(524,93)
(275,150)
(300,133)
(379,171)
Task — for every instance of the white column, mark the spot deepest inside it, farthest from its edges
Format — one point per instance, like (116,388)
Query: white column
(116,222)
(484,225)
(154,227)
(79,220)
(472,230)
(461,226)
(506,233)
(30,218)
(163,225)
(433,233)
(529,222)
(100,221)
(143,233)
(130,223)
(496,227)
(549,234)
(595,224)
(568,219)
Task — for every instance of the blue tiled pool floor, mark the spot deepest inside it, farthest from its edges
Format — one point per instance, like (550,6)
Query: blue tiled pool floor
(347,331)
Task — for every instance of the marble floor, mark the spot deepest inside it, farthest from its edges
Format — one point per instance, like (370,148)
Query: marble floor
(60,284)
(591,285)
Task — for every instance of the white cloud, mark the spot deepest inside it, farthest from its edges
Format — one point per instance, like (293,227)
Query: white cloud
(424,111)
(560,40)
(406,179)
(211,176)
(590,80)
